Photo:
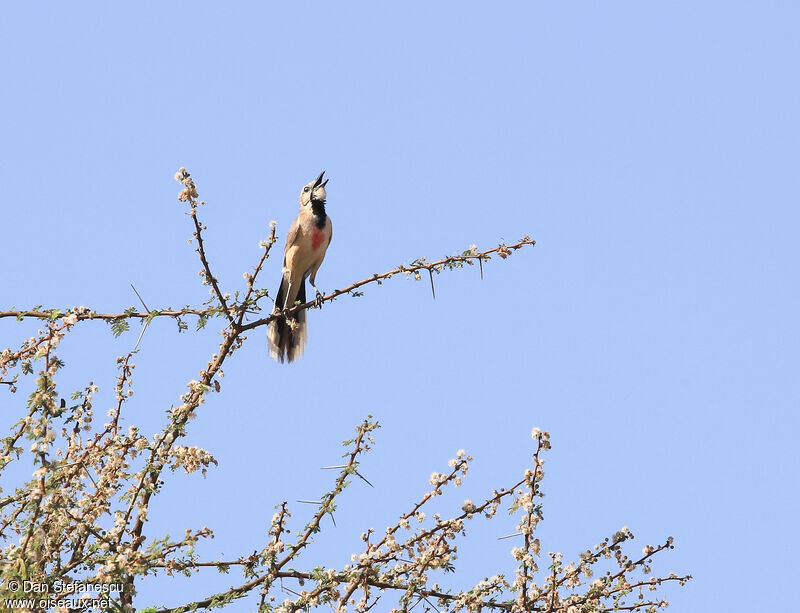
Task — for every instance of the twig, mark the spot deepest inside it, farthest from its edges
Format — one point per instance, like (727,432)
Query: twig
(146,322)
(448,262)
(229,311)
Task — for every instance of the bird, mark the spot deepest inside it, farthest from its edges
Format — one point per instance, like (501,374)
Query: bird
(306,245)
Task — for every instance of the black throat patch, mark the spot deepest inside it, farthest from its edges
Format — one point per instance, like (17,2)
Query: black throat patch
(318,208)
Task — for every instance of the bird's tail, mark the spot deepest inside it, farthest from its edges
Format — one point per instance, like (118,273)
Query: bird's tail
(286,336)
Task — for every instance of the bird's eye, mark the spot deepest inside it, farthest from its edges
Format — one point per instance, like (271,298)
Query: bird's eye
(306,188)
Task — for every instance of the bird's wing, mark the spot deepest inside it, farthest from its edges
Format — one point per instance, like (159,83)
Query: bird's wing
(292,236)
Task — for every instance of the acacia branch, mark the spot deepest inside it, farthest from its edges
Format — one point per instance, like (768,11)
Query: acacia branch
(450,262)
(241,590)
(46,522)
(84,313)
(455,261)
(189,194)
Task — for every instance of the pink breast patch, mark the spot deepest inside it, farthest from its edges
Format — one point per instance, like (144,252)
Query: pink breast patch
(317,238)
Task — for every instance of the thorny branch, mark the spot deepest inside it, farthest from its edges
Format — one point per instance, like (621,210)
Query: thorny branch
(235,313)
(469,257)
(189,194)
(84,511)
(427,549)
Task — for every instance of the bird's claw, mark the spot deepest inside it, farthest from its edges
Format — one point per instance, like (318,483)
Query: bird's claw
(318,299)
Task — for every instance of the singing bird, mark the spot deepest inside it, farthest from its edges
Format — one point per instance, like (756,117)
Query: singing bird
(306,244)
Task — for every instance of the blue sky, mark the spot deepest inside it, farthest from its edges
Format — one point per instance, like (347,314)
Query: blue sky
(651,150)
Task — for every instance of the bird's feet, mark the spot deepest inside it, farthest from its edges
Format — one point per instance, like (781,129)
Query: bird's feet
(318,299)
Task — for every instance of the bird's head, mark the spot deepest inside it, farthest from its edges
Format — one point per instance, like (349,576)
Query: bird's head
(314,191)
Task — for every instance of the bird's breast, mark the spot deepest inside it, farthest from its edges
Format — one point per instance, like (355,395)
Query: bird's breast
(317,238)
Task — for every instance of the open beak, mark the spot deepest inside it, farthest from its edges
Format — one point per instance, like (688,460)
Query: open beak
(319,180)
